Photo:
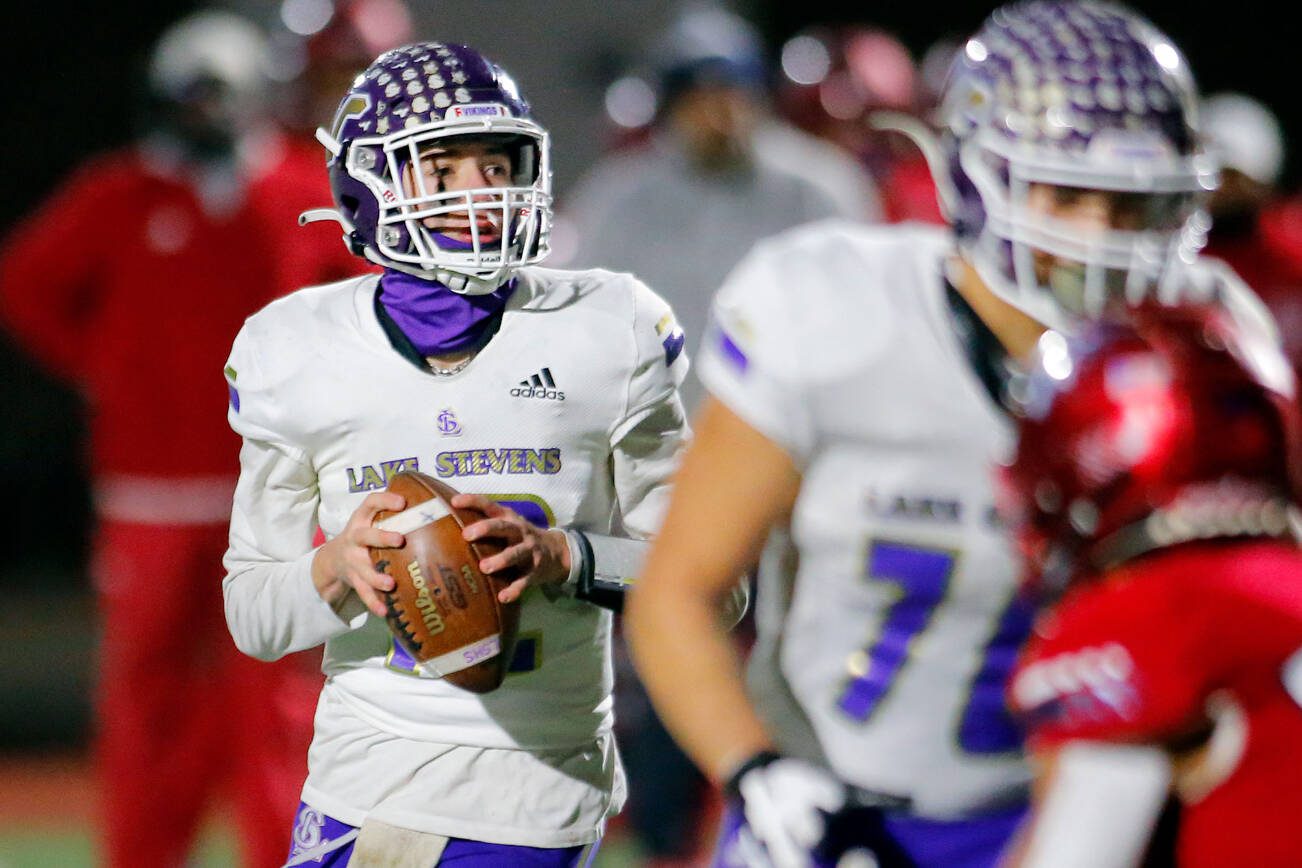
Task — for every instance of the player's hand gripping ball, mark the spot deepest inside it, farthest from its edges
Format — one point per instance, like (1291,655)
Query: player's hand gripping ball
(443,610)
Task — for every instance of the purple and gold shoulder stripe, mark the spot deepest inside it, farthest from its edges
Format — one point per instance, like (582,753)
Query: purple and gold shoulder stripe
(728,347)
(230,387)
(671,338)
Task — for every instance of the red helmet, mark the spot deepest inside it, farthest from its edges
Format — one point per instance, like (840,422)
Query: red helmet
(335,42)
(1140,436)
(834,77)
(358,31)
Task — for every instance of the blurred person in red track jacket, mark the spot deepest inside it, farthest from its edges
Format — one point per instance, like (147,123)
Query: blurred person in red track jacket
(130,282)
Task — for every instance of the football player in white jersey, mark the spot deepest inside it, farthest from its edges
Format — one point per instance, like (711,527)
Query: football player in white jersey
(549,398)
(856,376)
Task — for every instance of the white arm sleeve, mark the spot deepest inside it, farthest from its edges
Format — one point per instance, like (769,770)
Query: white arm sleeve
(272,607)
(748,356)
(650,440)
(647,440)
(1101,807)
(604,568)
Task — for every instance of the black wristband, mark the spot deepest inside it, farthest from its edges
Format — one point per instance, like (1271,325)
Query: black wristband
(587,568)
(732,788)
(589,588)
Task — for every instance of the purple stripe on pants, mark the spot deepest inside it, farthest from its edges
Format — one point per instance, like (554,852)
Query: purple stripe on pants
(897,840)
(324,842)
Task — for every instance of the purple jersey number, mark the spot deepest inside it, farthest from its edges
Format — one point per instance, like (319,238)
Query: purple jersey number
(922,576)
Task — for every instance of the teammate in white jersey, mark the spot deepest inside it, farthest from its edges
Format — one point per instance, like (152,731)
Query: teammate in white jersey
(856,377)
(551,395)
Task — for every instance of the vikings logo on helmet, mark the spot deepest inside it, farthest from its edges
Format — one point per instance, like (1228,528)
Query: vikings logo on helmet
(409,100)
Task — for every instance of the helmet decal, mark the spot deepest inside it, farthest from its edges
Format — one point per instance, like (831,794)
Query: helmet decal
(353,108)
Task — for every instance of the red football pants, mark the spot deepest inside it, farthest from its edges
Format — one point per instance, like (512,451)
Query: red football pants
(183,717)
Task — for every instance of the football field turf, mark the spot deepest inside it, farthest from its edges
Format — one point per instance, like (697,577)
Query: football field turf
(47,815)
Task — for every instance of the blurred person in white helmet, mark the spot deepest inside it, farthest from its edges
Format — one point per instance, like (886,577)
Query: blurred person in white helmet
(1254,225)
(129,283)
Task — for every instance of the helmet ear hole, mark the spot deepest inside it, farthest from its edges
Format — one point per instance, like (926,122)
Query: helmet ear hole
(356,243)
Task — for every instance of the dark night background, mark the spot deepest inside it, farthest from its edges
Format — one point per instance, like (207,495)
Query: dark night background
(71,72)
(71,75)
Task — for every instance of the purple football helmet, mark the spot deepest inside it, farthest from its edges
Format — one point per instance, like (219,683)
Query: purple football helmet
(1075,95)
(409,100)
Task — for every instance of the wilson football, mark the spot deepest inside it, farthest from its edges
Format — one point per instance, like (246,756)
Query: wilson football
(443,610)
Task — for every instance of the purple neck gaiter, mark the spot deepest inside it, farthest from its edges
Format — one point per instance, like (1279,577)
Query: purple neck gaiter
(435,319)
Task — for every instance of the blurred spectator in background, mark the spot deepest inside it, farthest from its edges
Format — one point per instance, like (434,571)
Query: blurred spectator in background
(933,71)
(130,282)
(834,79)
(718,172)
(1254,228)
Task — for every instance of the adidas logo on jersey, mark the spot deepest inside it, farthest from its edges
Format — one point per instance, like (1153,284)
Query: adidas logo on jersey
(539,385)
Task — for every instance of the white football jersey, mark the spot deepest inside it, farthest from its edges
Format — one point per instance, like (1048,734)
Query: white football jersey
(571,416)
(891,646)
(836,342)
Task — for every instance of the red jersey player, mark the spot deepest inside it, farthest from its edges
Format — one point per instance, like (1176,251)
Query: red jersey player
(1153,490)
